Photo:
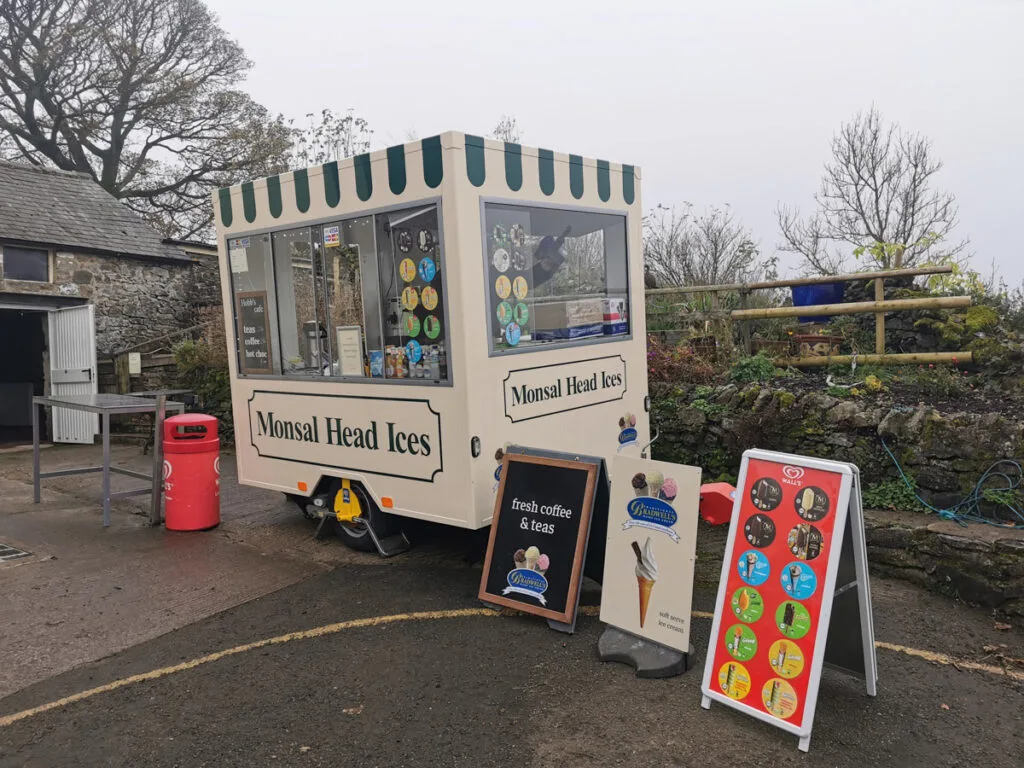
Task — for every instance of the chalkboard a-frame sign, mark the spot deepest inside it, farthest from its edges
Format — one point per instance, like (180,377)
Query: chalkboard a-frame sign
(254,332)
(539,532)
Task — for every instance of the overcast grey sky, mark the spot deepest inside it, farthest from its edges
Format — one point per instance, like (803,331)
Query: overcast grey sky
(720,101)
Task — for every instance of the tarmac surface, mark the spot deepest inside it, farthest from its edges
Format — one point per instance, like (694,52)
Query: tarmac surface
(461,686)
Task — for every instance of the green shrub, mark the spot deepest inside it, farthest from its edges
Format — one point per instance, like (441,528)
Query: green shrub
(892,494)
(758,367)
(709,409)
(940,381)
(203,369)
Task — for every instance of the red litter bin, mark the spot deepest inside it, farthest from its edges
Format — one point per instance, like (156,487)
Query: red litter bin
(191,472)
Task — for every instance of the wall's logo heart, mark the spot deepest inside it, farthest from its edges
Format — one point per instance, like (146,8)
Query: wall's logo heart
(793,473)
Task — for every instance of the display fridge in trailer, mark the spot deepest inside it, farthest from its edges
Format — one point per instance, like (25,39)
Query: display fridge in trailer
(397,319)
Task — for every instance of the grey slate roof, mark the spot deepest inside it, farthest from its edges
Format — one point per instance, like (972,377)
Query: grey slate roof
(70,210)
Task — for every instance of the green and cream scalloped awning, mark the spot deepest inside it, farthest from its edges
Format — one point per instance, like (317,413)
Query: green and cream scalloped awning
(451,163)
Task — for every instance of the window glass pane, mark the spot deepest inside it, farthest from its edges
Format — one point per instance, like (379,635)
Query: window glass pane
(305,349)
(554,275)
(411,266)
(26,264)
(348,256)
(255,305)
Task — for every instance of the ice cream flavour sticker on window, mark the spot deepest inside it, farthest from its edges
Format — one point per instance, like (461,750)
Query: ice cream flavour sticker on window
(527,576)
(652,507)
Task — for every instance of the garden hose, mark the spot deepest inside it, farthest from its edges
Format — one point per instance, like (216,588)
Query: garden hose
(969,509)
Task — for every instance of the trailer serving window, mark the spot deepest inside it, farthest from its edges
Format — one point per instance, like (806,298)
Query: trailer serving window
(358,298)
(554,276)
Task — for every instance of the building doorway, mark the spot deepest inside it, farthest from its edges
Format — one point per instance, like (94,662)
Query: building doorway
(22,372)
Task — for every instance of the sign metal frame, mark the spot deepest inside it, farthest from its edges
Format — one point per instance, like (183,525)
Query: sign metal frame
(848,537)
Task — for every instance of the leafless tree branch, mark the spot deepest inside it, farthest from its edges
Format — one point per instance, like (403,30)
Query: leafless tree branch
(877,188)
(682,249)
(141,95)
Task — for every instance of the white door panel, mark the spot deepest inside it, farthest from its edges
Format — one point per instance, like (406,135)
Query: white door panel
(73,370)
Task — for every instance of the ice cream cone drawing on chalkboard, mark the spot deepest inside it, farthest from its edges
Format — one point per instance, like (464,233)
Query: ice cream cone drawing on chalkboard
(646,575)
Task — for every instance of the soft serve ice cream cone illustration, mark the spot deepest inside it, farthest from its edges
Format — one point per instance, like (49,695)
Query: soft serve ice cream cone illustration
(646,575)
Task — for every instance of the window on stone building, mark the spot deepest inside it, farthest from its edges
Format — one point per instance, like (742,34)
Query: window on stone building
(30,264)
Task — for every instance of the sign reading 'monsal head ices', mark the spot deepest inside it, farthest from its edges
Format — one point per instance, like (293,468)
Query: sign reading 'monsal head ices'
(776,592)
(543,390)
(539,533)
(360,434)
(647,588)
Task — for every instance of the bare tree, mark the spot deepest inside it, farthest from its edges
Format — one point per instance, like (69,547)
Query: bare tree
(139,94)
(681,249)
(876,200)
(508,130)
(330,137)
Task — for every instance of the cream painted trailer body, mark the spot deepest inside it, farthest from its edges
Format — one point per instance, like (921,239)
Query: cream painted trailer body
(396,319)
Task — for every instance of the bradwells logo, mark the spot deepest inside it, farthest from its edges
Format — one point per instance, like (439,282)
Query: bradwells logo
(653,514)
(524,581)
(792,475)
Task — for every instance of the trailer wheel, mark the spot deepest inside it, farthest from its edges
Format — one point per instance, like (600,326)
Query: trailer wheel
(356,535)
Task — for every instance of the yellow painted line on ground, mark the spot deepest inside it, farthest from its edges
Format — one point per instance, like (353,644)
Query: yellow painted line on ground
(327,629)
(376,621)
(950,661)
(932,656)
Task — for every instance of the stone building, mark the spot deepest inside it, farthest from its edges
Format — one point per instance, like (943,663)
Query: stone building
(67,245)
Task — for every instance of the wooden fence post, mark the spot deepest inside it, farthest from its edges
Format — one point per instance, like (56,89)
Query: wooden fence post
(121,373)
(879,318)
(745,324)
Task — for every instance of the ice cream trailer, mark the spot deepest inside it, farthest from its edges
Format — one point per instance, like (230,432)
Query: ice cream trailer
(397,319)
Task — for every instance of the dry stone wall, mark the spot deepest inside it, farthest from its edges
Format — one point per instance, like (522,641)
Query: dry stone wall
(944,451)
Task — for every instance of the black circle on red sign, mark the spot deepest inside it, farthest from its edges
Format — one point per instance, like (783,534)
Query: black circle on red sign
(812,503)
(804,541)
(759,530)
(766,494)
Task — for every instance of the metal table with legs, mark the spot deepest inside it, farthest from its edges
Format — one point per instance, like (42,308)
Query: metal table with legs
(106,406)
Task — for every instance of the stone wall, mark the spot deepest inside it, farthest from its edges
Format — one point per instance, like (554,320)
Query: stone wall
(136,299)
(981,564)
(945,451)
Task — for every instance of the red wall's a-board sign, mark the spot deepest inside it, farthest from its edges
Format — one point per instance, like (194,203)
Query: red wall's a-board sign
(791,518)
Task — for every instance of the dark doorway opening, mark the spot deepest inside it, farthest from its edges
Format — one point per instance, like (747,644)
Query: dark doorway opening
(22,352)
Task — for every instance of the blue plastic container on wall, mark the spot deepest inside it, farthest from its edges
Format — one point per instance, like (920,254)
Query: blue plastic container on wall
(809,295)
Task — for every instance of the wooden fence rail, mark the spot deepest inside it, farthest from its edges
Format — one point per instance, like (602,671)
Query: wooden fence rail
(878,307)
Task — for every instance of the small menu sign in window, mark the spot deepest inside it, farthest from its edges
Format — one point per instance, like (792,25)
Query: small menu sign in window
(254,333)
